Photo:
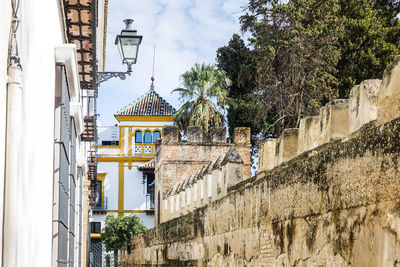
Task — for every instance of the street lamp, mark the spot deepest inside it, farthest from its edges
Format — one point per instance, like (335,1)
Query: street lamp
(128,43)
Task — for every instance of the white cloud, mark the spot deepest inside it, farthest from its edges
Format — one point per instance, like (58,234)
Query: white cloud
(184,32)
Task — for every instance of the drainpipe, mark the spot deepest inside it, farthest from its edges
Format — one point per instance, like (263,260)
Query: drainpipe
(12,155)
(13,141)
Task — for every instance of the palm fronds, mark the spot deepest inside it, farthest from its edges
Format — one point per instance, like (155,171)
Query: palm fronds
(204,97)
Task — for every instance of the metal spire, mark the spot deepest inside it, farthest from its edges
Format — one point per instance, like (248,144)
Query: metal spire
(152,76)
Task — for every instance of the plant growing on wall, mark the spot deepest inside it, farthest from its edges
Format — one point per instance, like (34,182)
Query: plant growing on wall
(117,232)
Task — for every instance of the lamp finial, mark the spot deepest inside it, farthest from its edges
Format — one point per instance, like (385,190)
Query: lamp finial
(128,23)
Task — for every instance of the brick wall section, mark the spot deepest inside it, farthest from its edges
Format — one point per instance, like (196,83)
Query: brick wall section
(241,135)
(177,160)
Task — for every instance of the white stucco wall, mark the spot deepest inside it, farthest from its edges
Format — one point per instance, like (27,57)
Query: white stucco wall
(5,15)
(110,183)
(147,220)
(100,41)
(38,34)
(108,133)
(134,197)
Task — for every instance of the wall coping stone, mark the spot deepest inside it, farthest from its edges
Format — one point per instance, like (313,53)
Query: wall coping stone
(382,139)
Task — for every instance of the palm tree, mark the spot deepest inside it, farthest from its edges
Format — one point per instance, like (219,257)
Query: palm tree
(204,97)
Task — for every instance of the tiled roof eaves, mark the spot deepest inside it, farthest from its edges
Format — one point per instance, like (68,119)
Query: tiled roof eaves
(81,23)
(150,104)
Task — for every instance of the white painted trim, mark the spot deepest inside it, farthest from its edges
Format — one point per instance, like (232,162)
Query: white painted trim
(82,163)
(66,54)
(76,112)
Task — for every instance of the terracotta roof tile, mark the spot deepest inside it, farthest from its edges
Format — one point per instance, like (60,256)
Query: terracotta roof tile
(80,23)
(150,104)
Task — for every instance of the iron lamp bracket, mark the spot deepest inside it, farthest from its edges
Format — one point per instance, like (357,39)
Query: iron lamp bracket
(104,76)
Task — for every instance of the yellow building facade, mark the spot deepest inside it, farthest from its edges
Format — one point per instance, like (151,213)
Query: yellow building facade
(125,166)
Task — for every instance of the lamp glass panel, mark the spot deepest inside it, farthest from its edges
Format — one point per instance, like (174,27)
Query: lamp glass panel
(121,53)
(129,46)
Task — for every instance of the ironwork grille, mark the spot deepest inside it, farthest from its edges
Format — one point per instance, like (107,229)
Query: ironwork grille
(96,252)
(99,257)
(64,173)
(65,179)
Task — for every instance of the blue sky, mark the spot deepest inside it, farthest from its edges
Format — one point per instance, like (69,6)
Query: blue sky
(184,32)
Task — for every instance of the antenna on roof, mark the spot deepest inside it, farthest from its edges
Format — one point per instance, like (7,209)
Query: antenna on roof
(152,76)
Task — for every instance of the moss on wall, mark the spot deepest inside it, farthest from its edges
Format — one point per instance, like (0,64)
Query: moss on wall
(339,221)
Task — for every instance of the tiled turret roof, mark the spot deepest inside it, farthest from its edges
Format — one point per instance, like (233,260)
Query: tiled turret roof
(150,104)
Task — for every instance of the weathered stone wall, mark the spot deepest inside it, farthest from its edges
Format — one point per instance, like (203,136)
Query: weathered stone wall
(327,194)
(338,119)
(337,207)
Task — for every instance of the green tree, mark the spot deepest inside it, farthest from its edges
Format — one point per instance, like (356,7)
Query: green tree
(203,96)
(117,232)
(249,109)
(370,41)
(295,48)
(304,53)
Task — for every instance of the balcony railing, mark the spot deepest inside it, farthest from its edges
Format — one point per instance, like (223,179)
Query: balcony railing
(89,132)
(92,194)
(101,207)
(92,176)
(150,202)
(92,172)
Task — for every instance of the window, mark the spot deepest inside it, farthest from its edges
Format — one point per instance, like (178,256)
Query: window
(156,135)
(138,137)
(147,137)
(150,190)
(110,143)
(95,227)
(98,203)
(148,183)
